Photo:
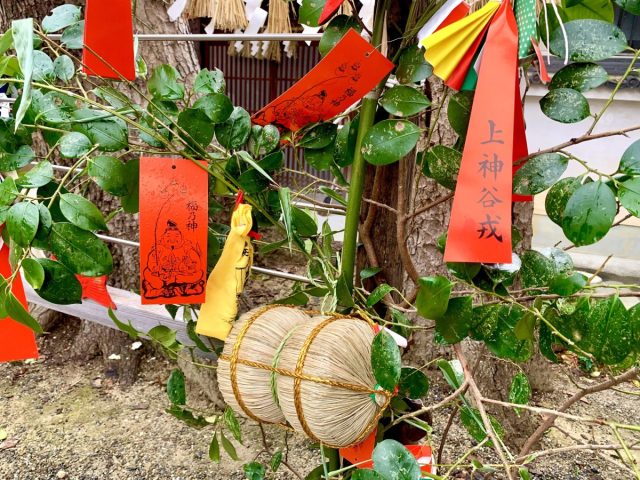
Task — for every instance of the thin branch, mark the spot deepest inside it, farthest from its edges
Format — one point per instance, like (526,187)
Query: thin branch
(401,226)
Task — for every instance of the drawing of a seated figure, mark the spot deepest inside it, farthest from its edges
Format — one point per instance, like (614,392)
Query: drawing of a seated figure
(174,266)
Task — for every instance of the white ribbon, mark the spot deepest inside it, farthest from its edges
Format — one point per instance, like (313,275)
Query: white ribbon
(176,9)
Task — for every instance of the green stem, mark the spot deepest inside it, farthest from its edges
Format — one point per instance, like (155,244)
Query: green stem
(367,116)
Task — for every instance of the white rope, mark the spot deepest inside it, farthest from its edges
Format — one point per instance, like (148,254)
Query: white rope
(222,37)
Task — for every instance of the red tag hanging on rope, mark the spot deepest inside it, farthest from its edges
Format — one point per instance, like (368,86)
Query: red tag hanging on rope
(17,341)
(330,8)
(108,39)
(480,225)
(173,230)
(349,71)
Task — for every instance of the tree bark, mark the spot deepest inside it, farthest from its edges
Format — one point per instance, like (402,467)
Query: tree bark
(150,17)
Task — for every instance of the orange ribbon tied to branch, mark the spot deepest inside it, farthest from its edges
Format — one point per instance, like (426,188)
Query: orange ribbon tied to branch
(480,225)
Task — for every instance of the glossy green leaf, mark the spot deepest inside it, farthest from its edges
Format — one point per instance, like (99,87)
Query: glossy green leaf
(389,140)
(16,310)
(495,326)
(589,40)
(319,136)
(74,145)
(216,106)
(454,324)
(565,105)
(452,372)
(79,250)
(42,67)
(164,83)
(320,159)
(579,76)
(124,327)
(589,9)
(472,421)
(73,36)
(109,173)
(630,161)
(264,140)
(197,127)
(232,424)
(442,164)
(130,202)
(64,68)
(60,284)
(634,326)
(214,448)
(303,223)
(378,294)
(8,192)
(629,195)
(40,175)
(254,471)
(631,6)
(412,67)
(385,361)
(345,144)
(459,112)
(81,212)
(209,81)
(61,17)
(163,335)
(33,272)
(433,296)
(187,417)
(610,338)
(276,460)
(589,213)
(413,383)
(228,447)
(566,284)
(22,223)
(464,271)
(335,30)
(369,272)
(394,462)
(234,132)
(176,390)
(520,390)
(14,161)
(558,196)
(22,32)
(310,11)
(404,101)
(539,173)
(110,135)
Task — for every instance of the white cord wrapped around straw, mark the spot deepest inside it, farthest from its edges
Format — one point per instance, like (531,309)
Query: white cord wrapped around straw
(256,336)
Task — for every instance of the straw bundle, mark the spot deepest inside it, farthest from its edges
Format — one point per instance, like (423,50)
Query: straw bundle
(256,336)
(277,22)
(230,15)
(329,397)
(201,8)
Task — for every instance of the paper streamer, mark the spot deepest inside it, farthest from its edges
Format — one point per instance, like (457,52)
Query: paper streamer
(108,40)
(446,48)
(95,288)
(176,9)
(526,19)
(480,225)
(458,76)
(451,11)
(17,342)
(173,230)
(345,75)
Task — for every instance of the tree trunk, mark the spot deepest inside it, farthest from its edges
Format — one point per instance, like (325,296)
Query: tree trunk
(150,17)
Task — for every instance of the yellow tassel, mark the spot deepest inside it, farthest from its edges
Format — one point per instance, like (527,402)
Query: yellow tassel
(228,278)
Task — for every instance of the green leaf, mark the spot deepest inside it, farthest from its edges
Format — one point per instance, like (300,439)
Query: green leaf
(232,424)
(63,68)
(73,36)
(394,462)
(536,270)
(464,271)
(130,202)
(413,383)
(369,272)
(459,112)
(589,213)
(378,294)
(124,327)
(389,140)
(264,140)
(33,272)
(385,361)
(608,338)
(8,192)
(109,173)
(298,298)
(566,284)
(163,335)
(38,176)
(593,9)
(176,390)
(197,127)
(524,473)
(302,223)
(216,106)
(319,136)
(81,212)
(579,76)
(22,31)
(22,223)
(433,296)
(634,326)
(209,81)
(454,324)
(472,421)
(558,196)
(345,143)
(539,173)
(42,67)
(14,161)
(452,372)
(335,30)
(74,145)
(110,134)
(631,6)
(495,326)
(520,390)
(412,67)
(187,417)
(524,329)
(404,101)
(60,285)
(234,132)
(164,83)
(284,195)
(17,311)
(276,460)
(629,195)
(214,448)
(319,159)
(81,251)
(589,40)
(366,474)
(630,161)
(254,471)
(61,17)
(228,447)
(310,11)
(565,105)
